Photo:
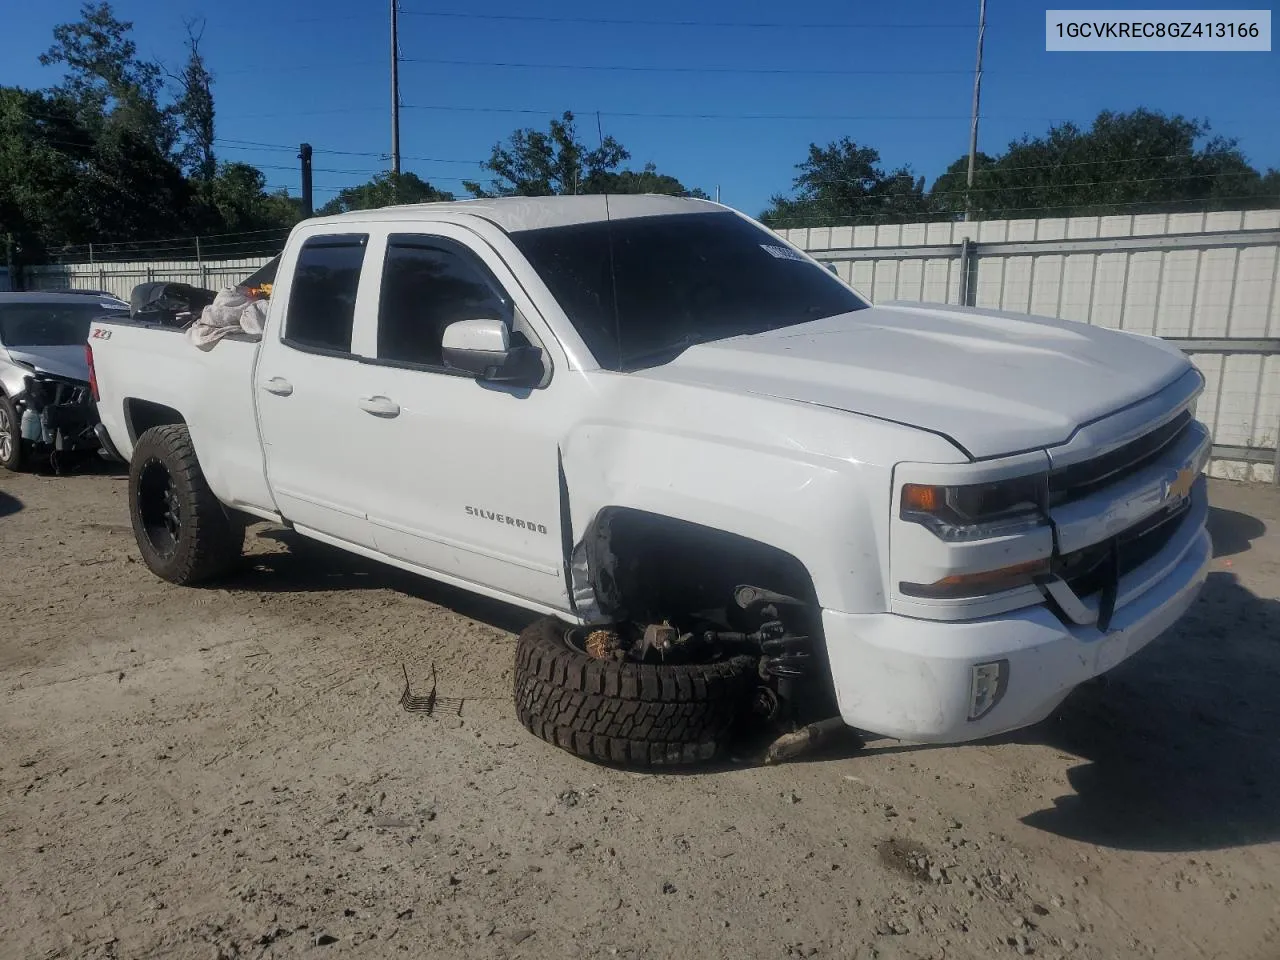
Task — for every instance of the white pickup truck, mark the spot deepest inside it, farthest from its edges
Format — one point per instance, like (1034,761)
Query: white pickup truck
(736,486)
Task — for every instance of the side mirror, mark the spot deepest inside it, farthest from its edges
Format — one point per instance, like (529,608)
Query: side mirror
(483,348)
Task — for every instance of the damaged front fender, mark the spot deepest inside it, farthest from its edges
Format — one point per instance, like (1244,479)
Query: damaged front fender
(790,480)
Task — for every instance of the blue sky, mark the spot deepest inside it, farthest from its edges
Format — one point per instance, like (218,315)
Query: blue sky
(288,71)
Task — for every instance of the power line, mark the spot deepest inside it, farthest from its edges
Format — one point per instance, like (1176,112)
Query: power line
(187,239)
(557,111)
(691,116)
(997,168)
(282,186)
(259,145)
(367,172)
(297,67)
(762,71)
(714,24)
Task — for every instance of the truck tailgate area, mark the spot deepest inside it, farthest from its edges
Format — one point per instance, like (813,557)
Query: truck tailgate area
(148,375)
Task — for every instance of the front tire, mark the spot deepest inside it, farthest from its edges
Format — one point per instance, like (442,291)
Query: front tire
(622,712)
(184,534)
(12,446)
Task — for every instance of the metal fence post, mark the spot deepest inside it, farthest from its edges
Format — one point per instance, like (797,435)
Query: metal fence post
(204,269)
(966,272)
(1275,470)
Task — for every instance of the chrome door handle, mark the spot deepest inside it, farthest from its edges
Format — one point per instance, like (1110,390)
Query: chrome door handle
(279,386)
(380,406)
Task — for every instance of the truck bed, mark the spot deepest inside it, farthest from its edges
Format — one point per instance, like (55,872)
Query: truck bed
(210,390)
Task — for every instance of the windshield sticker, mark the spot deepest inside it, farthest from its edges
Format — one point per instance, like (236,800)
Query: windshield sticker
(782,253)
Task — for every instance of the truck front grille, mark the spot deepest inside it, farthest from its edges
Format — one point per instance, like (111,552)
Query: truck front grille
(1081,479)
(1093,568)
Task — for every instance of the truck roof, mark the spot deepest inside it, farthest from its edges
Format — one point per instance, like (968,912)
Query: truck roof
(514,214)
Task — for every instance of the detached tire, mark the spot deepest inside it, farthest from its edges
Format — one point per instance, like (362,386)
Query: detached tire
(626,713)
(184,534)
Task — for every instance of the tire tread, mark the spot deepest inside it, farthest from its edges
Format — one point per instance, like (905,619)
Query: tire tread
(211,541)
(625,713)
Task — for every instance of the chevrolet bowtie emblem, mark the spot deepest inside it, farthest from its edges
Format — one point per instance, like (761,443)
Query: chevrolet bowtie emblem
(1181,484)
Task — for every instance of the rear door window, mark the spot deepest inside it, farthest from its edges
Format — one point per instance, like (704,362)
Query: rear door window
(322,302)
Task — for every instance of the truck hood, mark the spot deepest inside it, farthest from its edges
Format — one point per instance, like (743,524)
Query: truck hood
(992,382)
(67,362)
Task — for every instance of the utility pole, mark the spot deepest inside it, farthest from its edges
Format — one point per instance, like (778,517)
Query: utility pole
(11,263)
(395,95)
(304,154)
(973,127)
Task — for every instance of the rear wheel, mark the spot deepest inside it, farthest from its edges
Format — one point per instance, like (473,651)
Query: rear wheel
(184,534)
(621,711)
(12,452)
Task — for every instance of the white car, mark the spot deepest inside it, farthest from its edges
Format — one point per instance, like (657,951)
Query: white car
(733,483)
(44,374)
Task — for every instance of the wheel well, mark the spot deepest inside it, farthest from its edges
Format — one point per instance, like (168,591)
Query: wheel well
(645,565)
(142,415)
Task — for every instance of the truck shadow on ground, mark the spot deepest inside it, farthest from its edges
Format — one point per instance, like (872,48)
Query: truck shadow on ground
(80,465)
(1180,746)
(1232,531)
(1182,743)
(9,504)
(308,566)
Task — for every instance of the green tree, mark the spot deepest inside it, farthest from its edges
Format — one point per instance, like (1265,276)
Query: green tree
(845,183)
(533,163)
(128,186)
(647,180)
(105,78)
(237,201)
(384,190)
(193,110)
(1141,161)
(99,157)
(43,153)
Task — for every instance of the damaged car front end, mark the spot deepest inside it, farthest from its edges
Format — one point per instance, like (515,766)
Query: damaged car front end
(46,403)
(58,415)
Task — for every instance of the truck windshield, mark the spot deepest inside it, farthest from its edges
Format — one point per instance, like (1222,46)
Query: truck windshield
(50,324)
(680,279)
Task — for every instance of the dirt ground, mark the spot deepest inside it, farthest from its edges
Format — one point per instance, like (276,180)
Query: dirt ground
(227,773)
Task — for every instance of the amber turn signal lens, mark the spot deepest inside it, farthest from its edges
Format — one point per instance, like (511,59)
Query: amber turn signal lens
(921,497)
(1034,568)
(984,583)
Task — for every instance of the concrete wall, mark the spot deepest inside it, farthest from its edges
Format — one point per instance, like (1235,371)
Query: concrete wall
(1208,281)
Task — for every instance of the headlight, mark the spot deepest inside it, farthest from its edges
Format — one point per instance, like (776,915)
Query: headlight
(980,510)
